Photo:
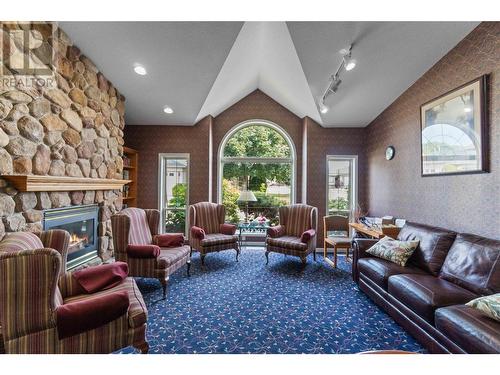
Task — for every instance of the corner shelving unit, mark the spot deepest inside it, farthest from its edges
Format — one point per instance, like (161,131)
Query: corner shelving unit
(130,169)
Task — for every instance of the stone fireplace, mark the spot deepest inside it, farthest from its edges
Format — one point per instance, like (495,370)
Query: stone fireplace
(81,223)
(71,129)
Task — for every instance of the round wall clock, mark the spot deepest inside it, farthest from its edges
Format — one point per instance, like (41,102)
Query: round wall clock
(389,153)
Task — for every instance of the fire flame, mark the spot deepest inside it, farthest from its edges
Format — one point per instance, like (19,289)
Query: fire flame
(75,239)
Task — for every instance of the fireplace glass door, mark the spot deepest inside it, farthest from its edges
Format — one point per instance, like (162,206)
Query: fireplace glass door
(81,224)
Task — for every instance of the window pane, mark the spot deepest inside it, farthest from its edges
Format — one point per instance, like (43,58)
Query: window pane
(340,186)
(257,141)
(176,186)
(269,183)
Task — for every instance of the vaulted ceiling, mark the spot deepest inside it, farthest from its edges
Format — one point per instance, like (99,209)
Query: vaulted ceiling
(202,68)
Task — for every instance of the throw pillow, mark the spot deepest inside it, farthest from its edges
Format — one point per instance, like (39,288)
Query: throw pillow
(489,305)
(393,250)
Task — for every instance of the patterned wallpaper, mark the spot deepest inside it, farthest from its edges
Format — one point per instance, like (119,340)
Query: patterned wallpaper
(331,141)
(152,140)
(258,105)
(466,203)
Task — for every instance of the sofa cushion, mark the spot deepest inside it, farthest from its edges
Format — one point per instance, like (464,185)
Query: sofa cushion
(433,247)
(470,329)
(488,305)
(218,239)
(379,270)
(423,294)
(393,250)
(171,255)
(473,262)
(287,242)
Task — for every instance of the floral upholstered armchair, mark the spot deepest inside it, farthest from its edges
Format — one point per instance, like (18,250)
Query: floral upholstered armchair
(147,253)
(44,309)
(296,233)
(207,231)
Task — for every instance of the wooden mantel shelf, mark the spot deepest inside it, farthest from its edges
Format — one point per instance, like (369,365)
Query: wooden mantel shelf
(55,183)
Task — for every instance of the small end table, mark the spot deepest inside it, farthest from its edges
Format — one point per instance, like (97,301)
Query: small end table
(250,228)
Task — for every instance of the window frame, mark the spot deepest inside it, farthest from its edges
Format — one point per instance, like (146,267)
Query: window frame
(354,183)
(162,182)
(221,159)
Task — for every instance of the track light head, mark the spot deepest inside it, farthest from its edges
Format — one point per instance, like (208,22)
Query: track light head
(349,63)
(323,108)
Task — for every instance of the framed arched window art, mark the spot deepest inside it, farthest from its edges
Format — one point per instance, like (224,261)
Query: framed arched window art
(454,131)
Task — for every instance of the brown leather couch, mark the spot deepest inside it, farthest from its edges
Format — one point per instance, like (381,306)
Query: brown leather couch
(427,297)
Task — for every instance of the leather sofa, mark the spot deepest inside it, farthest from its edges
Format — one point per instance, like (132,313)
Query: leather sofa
(427,297)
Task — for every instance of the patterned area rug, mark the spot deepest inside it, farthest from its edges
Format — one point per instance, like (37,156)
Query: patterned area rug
(248,307)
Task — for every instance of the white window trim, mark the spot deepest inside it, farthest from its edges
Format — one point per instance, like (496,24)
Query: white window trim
(221,159)
(162,158)
(354,190)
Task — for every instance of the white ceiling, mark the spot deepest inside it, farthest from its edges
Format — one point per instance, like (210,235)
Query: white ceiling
(201,68)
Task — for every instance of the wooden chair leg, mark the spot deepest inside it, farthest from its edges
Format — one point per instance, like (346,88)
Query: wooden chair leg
(324,249)
(164,282)
(304,261)
(335,256)
(267,257)
(314,255)
(143,347)
(189,267)
(203,260)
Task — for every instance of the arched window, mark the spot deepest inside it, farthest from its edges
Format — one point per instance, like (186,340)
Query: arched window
(256,172)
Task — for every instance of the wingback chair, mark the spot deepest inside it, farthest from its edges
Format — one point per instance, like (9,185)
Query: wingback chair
(296,233)
(137,243)
(207,231)
(45,310)
(55,239)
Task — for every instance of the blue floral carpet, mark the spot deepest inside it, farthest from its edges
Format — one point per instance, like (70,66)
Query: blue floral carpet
(248,307)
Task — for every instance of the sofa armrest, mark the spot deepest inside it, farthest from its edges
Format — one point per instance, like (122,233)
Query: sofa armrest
(81,316)
(359,247)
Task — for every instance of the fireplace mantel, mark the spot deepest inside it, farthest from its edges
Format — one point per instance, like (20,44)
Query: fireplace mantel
(54,183)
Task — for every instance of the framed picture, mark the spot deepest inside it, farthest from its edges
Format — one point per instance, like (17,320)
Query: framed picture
(454,131)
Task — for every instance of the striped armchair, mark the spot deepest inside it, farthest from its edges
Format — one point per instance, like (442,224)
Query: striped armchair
(135,226)
(296,233)
(36,293)
(54,239)
(207,231)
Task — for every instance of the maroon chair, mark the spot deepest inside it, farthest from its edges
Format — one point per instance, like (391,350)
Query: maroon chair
(135,238)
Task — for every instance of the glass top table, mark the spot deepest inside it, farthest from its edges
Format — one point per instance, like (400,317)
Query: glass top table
(250,229)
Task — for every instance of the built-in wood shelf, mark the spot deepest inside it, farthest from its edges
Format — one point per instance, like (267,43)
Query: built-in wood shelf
(55,183)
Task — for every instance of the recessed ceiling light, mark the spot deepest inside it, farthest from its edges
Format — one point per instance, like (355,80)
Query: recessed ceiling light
(139,69)
(168,110)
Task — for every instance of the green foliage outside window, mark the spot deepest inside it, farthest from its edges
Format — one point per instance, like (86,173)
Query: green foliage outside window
(176,209)
(338,204)
(257,141)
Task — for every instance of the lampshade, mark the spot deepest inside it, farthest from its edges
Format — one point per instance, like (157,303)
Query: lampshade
(247,196)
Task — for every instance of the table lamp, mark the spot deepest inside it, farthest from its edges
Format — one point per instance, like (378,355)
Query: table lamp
(247,196)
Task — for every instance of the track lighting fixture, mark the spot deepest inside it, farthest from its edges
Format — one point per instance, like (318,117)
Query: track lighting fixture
(347,63)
